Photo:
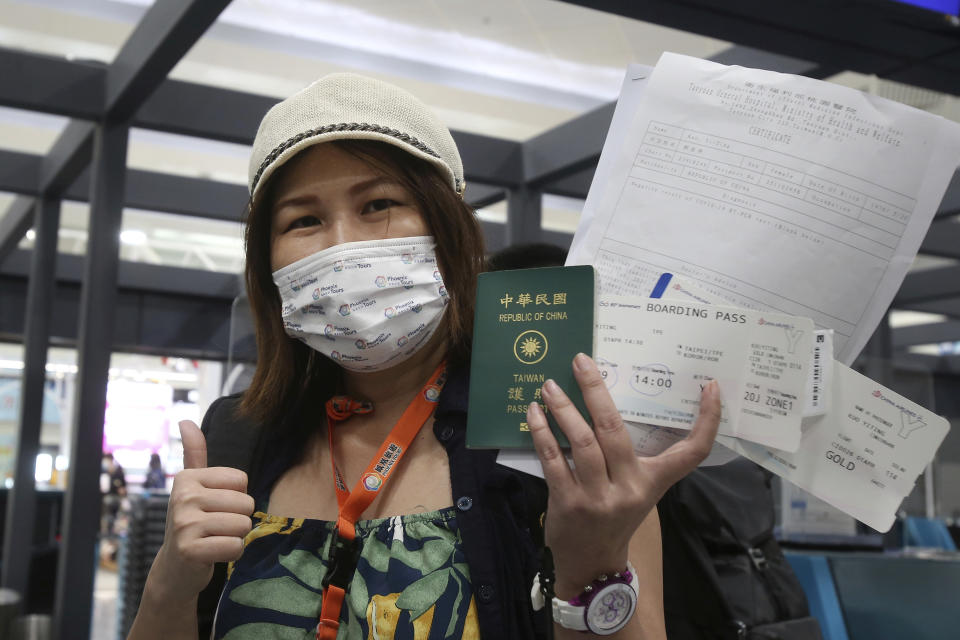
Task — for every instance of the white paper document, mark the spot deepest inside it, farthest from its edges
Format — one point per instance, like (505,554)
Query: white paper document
(864,455)
(770,191)
(656,355)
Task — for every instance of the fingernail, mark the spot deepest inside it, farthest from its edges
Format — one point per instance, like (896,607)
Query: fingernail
(534,411)
(582,362)
(550,387)
(713,388)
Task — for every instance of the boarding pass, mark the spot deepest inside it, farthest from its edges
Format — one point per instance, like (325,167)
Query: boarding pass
(820,369)
(656,355)
(864,455)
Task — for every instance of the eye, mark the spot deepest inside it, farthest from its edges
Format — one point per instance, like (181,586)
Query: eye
(303,221)
(380,204)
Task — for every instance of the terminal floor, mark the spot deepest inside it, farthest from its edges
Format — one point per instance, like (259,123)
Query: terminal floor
(106,595)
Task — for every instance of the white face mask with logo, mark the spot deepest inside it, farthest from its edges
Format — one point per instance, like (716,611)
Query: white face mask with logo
(366,305)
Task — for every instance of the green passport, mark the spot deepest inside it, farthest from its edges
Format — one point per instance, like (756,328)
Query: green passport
(528,326)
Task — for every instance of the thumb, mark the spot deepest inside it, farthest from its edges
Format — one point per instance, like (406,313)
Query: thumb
(194,445)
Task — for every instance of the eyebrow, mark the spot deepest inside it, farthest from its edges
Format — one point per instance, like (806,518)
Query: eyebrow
(353,190)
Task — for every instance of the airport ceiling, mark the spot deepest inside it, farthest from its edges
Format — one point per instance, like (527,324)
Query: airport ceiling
(525,84)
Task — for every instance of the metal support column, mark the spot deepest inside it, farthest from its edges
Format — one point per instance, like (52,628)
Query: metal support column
(21,505)
(75,573)
(879,353)
(524,215)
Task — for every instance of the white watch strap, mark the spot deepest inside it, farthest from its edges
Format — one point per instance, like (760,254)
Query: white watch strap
(571,616)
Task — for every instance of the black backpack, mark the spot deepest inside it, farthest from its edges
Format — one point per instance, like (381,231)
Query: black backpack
(725,576)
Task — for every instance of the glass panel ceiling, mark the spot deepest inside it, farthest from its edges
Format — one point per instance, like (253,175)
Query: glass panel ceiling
(28,131)
(153,237)
(506,68)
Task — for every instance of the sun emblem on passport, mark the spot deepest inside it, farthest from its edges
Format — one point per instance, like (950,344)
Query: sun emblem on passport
(530,346)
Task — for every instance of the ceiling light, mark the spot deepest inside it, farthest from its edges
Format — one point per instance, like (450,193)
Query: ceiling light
(31,235)
(133,237)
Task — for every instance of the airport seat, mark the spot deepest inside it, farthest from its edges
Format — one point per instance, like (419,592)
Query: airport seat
(927,532)
(814,574)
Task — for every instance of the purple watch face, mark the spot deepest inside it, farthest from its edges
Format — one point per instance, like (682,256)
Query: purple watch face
(610,608)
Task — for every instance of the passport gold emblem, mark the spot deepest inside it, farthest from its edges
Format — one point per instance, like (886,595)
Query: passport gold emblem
(530,346)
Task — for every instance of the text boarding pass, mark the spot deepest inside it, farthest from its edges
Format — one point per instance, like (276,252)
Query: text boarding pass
(864,455)
(656,355)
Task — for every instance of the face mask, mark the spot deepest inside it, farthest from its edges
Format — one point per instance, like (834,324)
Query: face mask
(366,305)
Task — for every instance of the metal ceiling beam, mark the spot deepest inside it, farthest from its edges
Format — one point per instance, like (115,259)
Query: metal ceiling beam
(214,113)
(14,225)
(68,156)
(950,205)
(941,365)
(481,195)
(21,503)
(759,59)
(490,160)
(75,566)
(946,306)
(568,148)
(155,191)
(19,172)
(187,196)
(868,36)
(54,85)
(160,40)
(146,322)
(495,236)
(932,332)
(576,185)
(931,284)
(137,276)
(202,111)
(524,215)
(942,239)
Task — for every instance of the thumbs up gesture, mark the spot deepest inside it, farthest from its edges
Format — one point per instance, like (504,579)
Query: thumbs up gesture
(207,519)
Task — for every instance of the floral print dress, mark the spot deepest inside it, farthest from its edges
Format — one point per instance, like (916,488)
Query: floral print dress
(411,582)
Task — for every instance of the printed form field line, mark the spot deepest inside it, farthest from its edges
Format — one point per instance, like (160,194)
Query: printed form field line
(801,189)
(810,183)
(770,215)
(805,161)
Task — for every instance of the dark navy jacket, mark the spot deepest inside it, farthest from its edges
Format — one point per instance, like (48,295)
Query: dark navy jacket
(500,512)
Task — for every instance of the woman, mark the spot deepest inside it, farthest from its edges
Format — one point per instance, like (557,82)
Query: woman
(156,476)
(361,267)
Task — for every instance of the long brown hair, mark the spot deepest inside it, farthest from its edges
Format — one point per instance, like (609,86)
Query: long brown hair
(292,381)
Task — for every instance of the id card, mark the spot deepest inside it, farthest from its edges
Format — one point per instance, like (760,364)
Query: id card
(656,355)
(864,455)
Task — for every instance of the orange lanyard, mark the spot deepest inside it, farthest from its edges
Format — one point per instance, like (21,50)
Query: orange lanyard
(344,548)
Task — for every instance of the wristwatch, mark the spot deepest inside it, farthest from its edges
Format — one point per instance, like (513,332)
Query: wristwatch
(604,607)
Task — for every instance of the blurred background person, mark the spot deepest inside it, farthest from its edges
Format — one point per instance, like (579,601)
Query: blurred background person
(156,475)
(116,491)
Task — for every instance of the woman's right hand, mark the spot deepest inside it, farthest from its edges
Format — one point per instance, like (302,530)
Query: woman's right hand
(207,519)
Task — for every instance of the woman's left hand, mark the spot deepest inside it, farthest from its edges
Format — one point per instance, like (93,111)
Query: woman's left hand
(595,508)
